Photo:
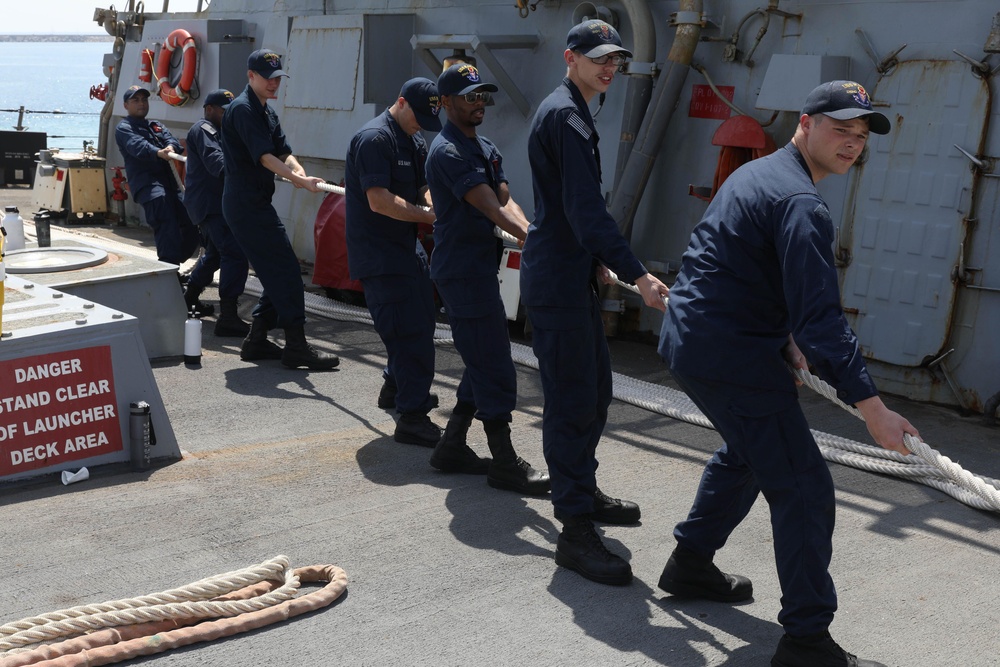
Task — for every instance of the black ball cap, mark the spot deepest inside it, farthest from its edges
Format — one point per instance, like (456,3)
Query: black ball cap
(845,100)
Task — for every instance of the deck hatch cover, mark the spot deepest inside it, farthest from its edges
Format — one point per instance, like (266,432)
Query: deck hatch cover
(909,211)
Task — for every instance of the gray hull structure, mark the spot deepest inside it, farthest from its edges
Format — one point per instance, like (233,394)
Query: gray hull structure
(915,222)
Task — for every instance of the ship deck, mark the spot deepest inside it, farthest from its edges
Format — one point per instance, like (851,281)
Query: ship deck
(444,570)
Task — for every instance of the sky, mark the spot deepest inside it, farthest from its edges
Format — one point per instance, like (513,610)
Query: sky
(73,17)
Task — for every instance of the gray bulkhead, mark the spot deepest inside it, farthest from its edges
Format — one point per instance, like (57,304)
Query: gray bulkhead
(915,222)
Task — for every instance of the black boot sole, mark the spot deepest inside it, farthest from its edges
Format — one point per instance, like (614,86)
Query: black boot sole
(227,332)
(261,355)
(610,580)
(463,467)
(527,489)
(310,365)
(616,518)
(695,592)
(409,439)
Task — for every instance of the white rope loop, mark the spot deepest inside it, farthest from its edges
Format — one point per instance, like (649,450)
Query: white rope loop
(986,489)
(192,601)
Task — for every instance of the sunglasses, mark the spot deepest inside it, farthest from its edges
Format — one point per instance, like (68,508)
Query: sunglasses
(472,98)
(615,59)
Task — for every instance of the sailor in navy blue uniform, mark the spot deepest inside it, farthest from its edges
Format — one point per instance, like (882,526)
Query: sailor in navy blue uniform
(471,198)
(145,146)
(256,150)
(757,290)
(571,233)
(203,181)
(386,199)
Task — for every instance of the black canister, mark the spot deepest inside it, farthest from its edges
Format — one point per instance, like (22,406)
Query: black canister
(139,435)
(43,230)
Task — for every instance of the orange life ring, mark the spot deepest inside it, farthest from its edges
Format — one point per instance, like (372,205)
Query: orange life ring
(179,94)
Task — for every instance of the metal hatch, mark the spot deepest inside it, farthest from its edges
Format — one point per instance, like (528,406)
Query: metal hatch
(51,260)
(910,211)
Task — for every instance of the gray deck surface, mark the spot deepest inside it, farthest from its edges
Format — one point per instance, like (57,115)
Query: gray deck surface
(444,570)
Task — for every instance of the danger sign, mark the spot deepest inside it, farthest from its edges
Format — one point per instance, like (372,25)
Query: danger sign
(56,408)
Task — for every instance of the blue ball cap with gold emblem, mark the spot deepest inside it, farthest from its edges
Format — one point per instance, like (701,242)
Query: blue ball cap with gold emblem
(132,91)
(265,62)
(219,97)
(845,100)
(594,39)
(422,96)
(462,78)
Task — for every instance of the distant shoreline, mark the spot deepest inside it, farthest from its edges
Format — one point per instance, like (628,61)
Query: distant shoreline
(56,38)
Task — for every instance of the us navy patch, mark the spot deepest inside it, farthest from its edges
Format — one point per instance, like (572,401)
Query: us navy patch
(574,121)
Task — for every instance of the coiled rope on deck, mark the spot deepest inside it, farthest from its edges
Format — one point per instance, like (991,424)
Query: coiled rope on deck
(240,600)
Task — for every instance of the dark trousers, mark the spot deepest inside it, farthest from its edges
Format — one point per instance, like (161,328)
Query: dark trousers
(265,243)
(575,368)
(221,251)
(768,449)
(175,235)
(479,327)
(402,308)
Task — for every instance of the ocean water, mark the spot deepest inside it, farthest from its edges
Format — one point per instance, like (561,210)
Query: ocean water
(53,76)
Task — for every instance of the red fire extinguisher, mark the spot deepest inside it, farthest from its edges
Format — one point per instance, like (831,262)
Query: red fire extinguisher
(146,65)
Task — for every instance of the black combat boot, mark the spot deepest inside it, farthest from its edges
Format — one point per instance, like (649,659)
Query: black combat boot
(611,510)
(580,548)
(230,324)
(387,394)
(691,575)
(452,453)
(195,306)
(508,470)
(816,651)
(416,428)
(299,353)
(256,346)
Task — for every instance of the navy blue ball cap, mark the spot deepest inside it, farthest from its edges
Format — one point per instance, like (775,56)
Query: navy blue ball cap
(462,78)
(422,96)
(845,100)
(594,38)
(219,97)
(132,91)
(265,62)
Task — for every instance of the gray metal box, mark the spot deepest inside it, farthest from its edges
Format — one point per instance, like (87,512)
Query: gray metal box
(233,65)
(790,78)
(234,30)
(388,56)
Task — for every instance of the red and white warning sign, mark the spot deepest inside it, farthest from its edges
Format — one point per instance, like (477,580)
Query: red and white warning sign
(706,104)
(56,408)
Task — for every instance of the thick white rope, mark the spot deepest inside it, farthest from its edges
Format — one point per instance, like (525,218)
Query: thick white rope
(985,488)
(191,601)
(927,466)
(940,472)
(325,187)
